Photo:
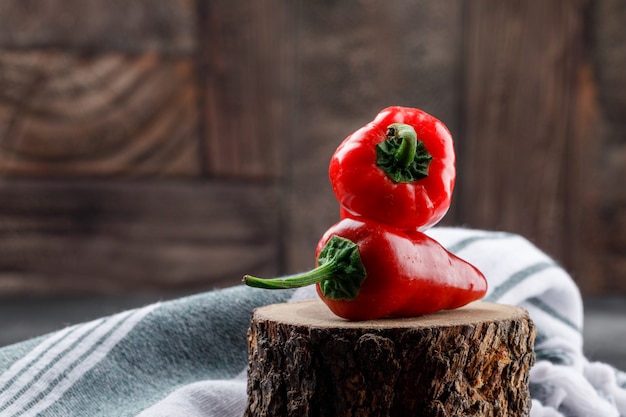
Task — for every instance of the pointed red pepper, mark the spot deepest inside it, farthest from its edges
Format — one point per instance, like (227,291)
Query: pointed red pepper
(367,270)
(399,169)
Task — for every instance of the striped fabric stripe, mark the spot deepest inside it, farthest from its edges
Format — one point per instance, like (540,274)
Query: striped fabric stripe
(464,243)
(48,371)
(9,377)
(540,304)
(522,275)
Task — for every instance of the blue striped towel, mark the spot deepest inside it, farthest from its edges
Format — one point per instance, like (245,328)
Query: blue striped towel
(188,357)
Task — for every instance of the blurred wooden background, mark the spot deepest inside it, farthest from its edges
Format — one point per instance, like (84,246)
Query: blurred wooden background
(174,145)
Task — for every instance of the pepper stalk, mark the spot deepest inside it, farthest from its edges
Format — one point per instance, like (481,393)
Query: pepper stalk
(402,156)
(340,272)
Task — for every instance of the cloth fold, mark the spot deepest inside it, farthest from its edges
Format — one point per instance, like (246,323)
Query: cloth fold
(189,356)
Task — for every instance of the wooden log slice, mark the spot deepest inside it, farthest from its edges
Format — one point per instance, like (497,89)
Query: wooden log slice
(473,361)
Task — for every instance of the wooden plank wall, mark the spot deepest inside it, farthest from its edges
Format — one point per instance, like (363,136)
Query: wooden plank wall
(174,145)
(119,172)
(544,126)
(531,112)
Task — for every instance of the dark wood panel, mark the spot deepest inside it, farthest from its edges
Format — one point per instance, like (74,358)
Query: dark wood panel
(110,114)
(248,75)
(164,26)
(263,92)
(354,60)
(609,35)
(530,117)
(93,237)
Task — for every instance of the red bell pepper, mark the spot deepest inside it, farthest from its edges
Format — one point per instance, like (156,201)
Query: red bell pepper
(367,270)
(399,169)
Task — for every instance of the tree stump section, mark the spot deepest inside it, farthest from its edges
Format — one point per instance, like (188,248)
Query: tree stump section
(473,361)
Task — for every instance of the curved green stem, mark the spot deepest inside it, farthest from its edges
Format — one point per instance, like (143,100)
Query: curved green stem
(340,272)
(402,156)
(405,134)
(319,274)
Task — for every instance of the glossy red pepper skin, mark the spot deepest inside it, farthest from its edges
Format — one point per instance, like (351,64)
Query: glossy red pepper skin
(408,274)
(364,190)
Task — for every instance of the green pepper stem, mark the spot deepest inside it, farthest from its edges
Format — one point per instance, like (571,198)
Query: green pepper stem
(402,156)
(319,274)
(408,146)
(340,272)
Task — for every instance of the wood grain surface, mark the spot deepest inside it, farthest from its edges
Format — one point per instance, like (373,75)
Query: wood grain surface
(105,115)
(102,237)
(248,72)
(528,163)
(103,95)
(472,361)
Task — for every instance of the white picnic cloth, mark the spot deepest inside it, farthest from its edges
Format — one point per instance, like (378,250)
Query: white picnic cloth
(188,357)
